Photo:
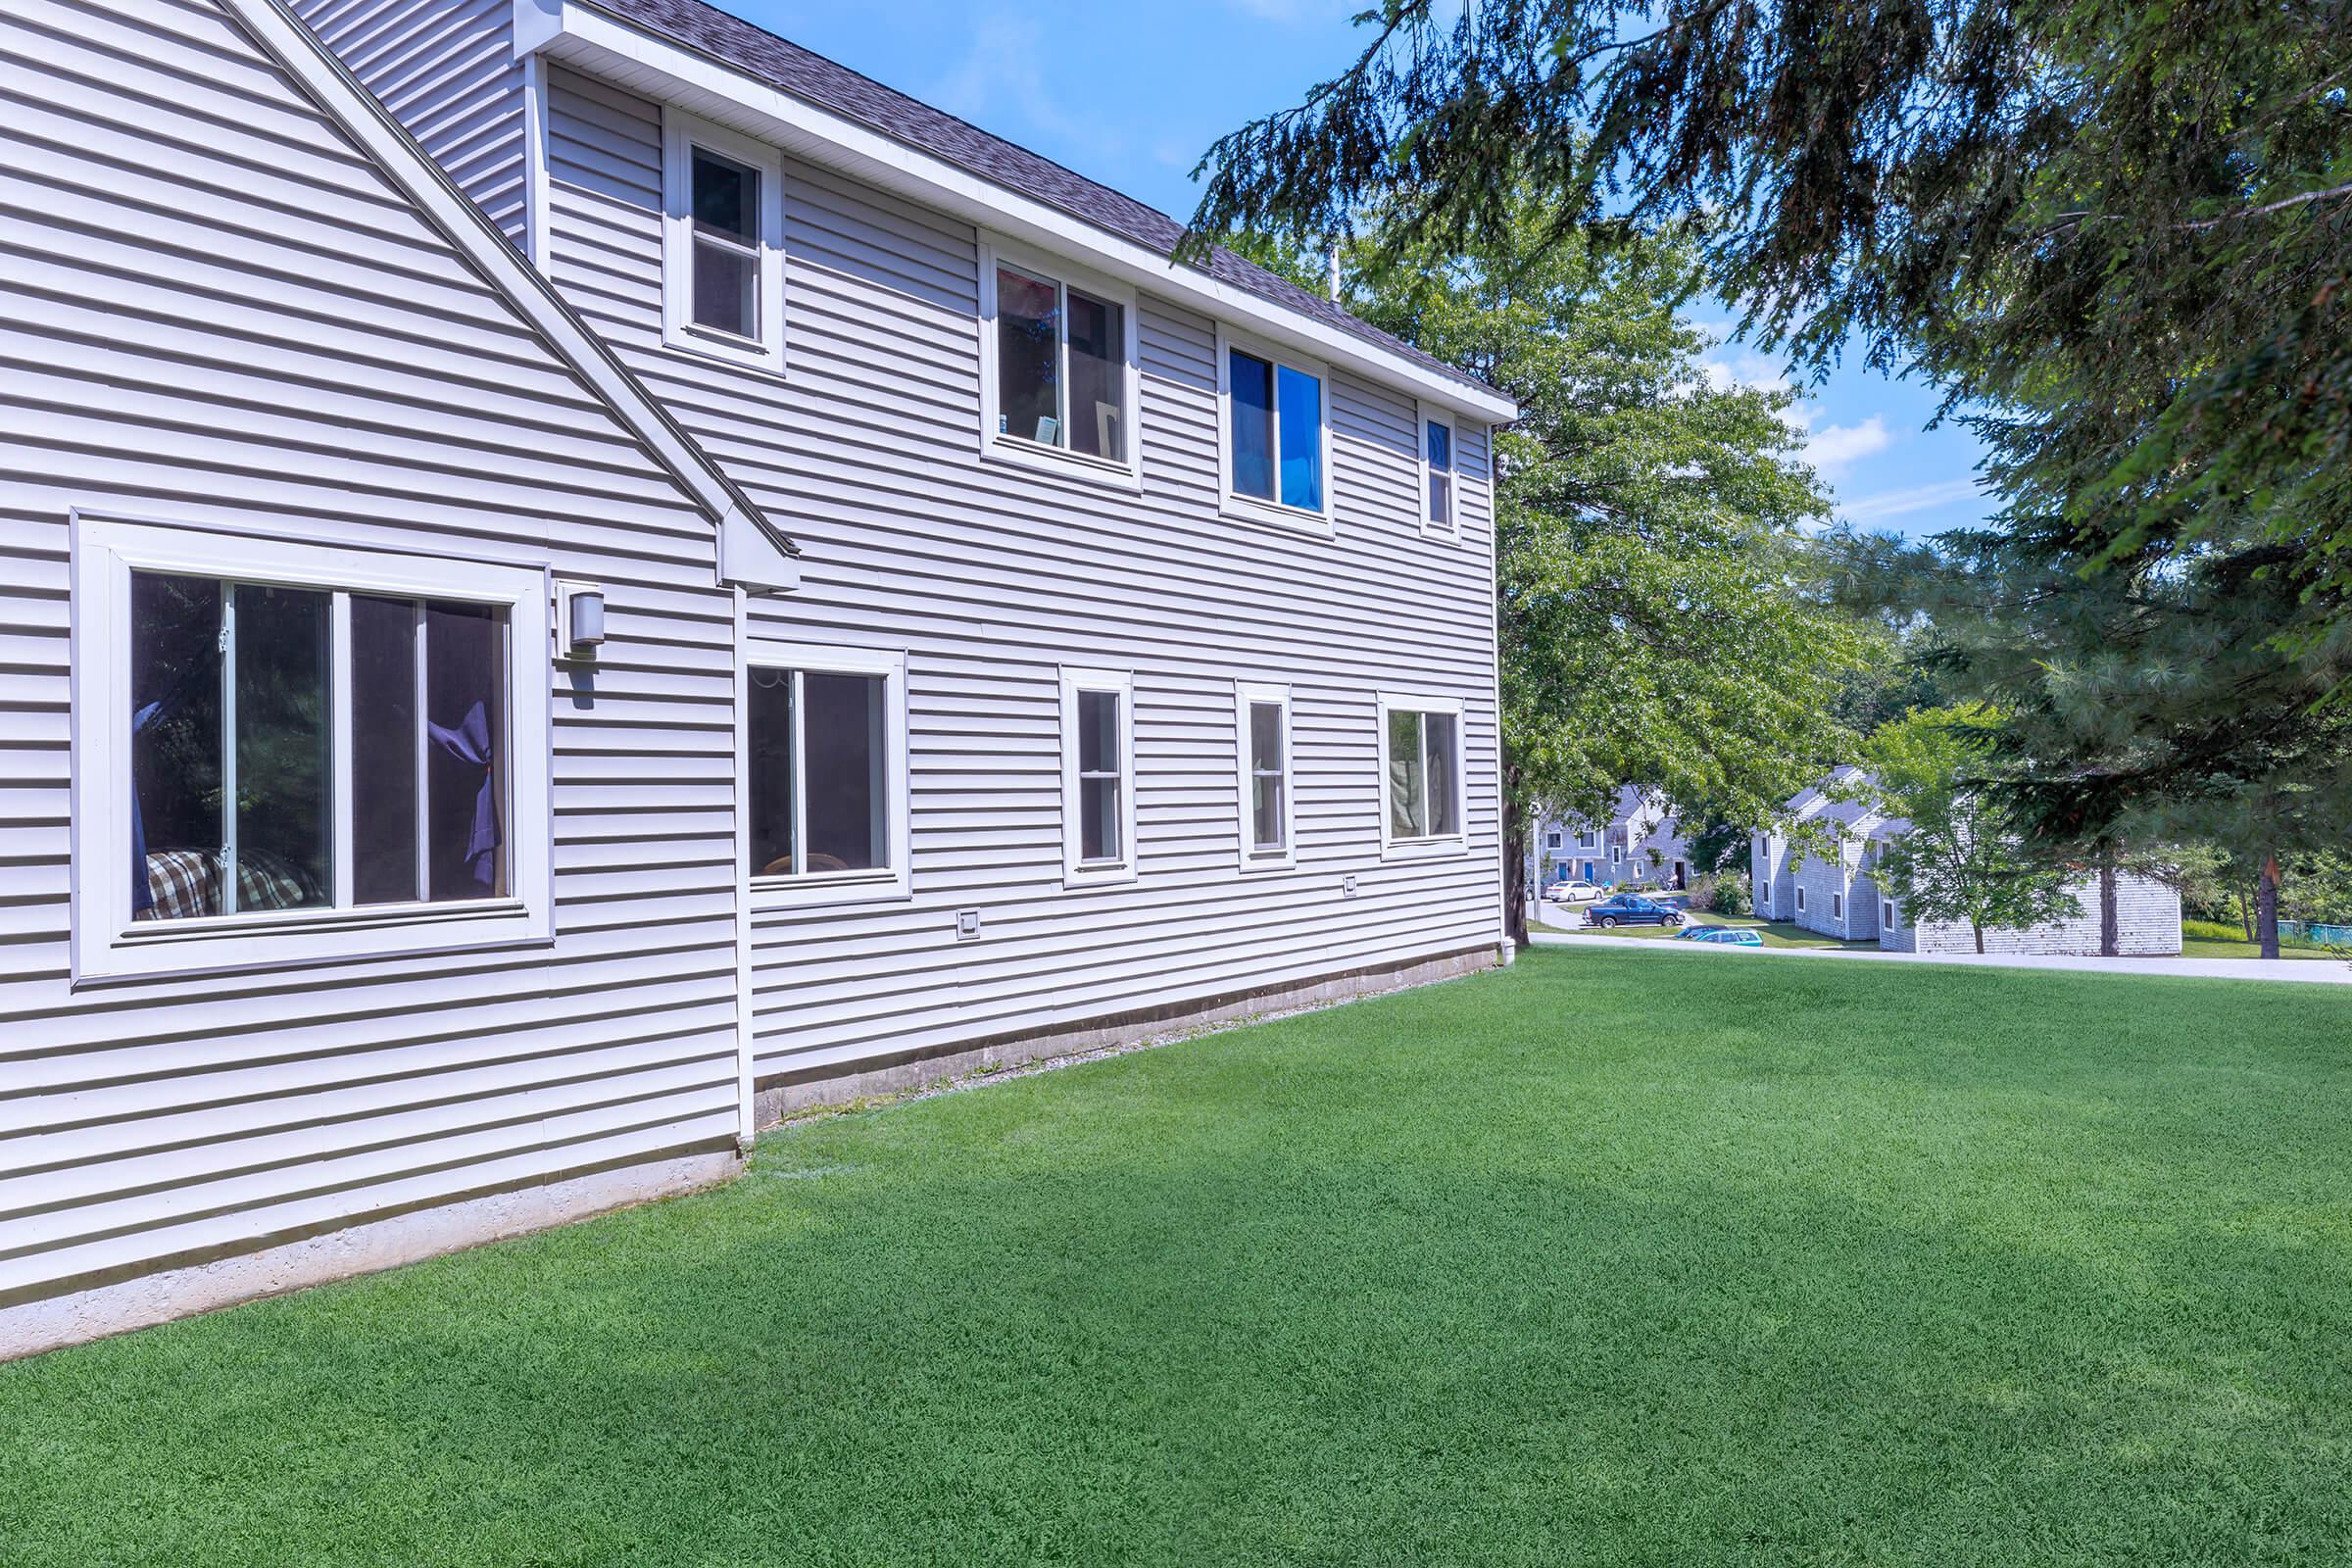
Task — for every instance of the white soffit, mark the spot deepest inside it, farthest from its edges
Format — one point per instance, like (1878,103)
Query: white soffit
(602,46)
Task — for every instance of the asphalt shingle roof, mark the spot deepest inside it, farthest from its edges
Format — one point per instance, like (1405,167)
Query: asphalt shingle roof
(812,77)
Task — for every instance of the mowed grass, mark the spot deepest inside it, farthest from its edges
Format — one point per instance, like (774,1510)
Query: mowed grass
(1616,1258)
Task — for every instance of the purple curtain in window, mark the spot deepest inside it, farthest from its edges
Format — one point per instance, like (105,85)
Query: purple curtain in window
(142,899)
(469,742)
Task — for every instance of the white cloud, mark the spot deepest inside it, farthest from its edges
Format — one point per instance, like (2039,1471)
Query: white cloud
(1902,503)
(1836,445)
(999,70)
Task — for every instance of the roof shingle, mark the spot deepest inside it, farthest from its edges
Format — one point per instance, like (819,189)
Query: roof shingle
(812,77)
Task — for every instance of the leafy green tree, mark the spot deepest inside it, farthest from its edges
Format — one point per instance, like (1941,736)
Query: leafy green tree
(1661,620)
(1964,856)
(2124,232)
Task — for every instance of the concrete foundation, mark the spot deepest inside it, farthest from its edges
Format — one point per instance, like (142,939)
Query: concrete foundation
(779,1098)
(27,1328)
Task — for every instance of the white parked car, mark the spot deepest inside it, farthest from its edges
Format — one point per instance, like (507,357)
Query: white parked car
(1572,892)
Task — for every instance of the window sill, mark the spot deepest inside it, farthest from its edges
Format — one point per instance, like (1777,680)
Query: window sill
(233,944)
(1098,876)
(1013,452)
(776,894)
(1296,519)
(1424,848)
(718,348)
(1439,533)
(1283,861)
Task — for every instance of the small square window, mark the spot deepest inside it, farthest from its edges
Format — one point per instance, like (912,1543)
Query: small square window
(1276,436)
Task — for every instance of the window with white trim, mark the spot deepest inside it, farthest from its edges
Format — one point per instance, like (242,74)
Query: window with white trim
(722,248)
(1552,841)
(1275,437)
(1420,761)
(294,750)
(1887,912)
(1262,732)
(1439,502)
(1098,775)
(1836,905)
(1058,366)
(1801,900)
(825,769)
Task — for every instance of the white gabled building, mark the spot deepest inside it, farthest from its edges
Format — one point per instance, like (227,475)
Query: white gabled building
(733,589)
(1814,870)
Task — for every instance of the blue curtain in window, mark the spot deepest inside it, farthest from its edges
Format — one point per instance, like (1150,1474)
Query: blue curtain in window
(469,742)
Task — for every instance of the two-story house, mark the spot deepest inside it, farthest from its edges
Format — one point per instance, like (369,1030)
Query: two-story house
(1641,841)
(583,577)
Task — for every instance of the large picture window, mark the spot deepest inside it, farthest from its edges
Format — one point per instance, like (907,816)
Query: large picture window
(1262,730)
(1276,435)
(722,253)
(1098,775)
(1421,774)
(1058,367)
(824,734)
(286,738)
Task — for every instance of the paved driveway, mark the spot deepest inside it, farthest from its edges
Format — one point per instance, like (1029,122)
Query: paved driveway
(2307,972)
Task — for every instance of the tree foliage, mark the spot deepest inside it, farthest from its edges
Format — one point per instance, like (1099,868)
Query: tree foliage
(1964,856)
(1661,618)
(2125,231)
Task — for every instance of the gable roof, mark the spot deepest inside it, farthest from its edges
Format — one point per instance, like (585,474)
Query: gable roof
(751,551)
(812,78)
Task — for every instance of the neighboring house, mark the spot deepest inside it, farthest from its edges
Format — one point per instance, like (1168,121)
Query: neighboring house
(1640,841)
(1814,870)
(1130,658)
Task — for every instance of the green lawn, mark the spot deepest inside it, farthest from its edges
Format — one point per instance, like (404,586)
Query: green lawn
(1610,1259)
(2210,939)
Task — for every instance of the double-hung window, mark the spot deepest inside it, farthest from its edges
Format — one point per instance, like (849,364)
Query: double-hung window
(1421,774)
(1438,500)
(291,751)
(1262,728)
(1276,435)
(1059,378)
(1098,775)
(825,769)
(722,252)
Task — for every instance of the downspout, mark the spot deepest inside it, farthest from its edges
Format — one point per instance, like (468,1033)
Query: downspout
(746,1127)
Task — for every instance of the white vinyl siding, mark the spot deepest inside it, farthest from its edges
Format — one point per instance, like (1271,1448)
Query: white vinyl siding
(257,335)
(991,577)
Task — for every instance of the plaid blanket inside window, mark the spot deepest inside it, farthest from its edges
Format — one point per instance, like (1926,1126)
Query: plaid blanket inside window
(185,884)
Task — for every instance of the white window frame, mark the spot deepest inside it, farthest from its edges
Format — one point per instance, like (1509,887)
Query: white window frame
(1246,694)
(1800,899)
(681,133)
(1837,906)
(1393,847)
(106,944)
(1252,508)
(895,881)
(1450,526)
(1013,449)
(1887,913)
(1075,871)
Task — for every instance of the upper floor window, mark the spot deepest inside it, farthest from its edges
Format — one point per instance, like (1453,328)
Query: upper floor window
(1420,758)
(722,253)
(1097,793)
(1276,435)
(1438,471)
(1058,366)
(303,751)
(825,764)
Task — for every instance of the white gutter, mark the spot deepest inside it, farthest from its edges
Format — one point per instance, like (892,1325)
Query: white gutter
(605,46)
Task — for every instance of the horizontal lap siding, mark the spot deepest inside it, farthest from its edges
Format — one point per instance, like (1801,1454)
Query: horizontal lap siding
(186,341)
(447,68)
(990,576)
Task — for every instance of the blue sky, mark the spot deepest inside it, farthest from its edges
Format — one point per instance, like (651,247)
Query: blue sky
(1132,93)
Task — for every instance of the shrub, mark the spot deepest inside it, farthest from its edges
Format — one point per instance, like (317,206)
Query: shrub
(1731,896)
